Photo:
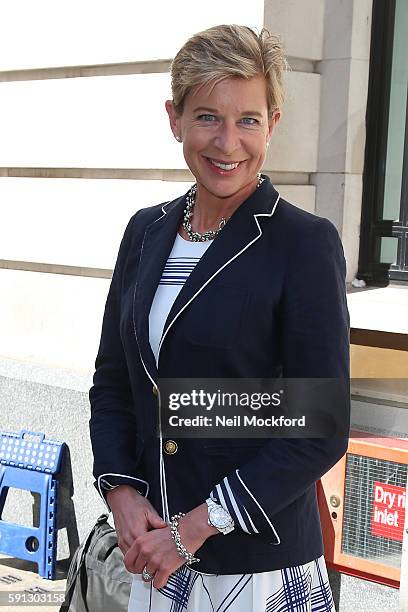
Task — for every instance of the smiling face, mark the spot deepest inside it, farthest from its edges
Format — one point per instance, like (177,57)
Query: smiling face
(225,130)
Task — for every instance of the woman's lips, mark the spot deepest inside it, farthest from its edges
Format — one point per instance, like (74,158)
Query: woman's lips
(225,169)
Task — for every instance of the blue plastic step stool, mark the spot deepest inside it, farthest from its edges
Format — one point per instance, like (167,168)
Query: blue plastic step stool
(29,461)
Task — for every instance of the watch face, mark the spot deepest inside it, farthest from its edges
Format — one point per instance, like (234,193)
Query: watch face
(219,517)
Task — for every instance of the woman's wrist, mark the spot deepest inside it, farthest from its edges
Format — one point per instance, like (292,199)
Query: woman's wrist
(194,528)
(120,491)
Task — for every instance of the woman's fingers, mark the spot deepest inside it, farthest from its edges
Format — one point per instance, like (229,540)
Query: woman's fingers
(129,529)
(165,570)
(123,547)
(160,579)
(155,521)
(141,553)
(134,560)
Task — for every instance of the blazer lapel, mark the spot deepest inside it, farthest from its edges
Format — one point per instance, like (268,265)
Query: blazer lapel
(241,231)
(156,247)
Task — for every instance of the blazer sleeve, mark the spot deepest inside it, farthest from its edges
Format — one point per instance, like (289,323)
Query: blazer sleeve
(315,344)
(113,426)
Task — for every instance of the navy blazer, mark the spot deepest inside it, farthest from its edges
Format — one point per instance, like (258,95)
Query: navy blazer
(267,299)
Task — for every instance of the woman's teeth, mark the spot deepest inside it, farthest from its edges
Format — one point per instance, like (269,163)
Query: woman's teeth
(224,166)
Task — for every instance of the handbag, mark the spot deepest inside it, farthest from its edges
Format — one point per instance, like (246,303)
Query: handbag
(97,579)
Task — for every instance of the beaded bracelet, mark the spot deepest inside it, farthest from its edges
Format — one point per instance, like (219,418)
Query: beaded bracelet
(182,551)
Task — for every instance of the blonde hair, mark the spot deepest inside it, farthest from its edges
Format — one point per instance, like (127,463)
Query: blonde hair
(229,51)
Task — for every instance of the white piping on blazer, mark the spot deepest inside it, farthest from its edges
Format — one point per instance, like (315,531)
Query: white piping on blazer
(163,487)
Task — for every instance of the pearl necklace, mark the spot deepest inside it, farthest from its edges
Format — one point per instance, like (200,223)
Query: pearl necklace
(188,214)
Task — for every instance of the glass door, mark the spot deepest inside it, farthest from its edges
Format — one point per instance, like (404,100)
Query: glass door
(393,248)
(384,226)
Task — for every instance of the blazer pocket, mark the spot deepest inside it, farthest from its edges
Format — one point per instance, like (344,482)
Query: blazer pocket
(217,316)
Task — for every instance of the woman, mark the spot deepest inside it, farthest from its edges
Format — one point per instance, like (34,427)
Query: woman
(227,281)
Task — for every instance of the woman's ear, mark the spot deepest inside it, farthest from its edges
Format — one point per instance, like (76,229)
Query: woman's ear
(174,119)
(272,123)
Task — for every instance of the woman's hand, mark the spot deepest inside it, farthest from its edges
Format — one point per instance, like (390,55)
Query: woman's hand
(157,551)
(133,514)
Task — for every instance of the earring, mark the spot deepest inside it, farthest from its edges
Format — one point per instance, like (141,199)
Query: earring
(178,138)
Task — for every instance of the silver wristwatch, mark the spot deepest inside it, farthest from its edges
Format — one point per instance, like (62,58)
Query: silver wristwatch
(219,518)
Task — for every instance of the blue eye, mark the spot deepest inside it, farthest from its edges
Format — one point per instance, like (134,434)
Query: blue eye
(250,121)
(207,117)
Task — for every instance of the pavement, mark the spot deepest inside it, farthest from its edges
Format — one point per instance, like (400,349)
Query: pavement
(22,589)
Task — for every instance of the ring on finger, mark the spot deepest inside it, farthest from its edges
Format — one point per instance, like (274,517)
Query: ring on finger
(146,575)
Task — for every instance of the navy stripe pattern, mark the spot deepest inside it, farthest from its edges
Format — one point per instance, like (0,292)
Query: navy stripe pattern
(304,588)
(178,269)
(234,496)
(180,585)
(301,591)
(178,589)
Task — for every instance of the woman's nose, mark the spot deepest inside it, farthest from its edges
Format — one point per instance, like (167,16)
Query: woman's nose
(227,139)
